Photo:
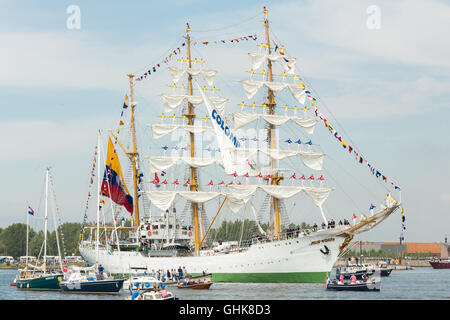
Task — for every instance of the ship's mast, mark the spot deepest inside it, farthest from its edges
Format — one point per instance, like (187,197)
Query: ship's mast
(271,104)
(46,219)
(134,155)
(191,116)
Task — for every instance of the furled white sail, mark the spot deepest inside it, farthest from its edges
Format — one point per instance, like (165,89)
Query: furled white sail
(163,199)
(242,118)
(251,87)
(161,129)
(208,74)
(237,195)
(257,59)
(313,160)
(173,101)
(162,163)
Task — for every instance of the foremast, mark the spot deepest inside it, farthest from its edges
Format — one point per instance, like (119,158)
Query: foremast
(272,140)
(134,155)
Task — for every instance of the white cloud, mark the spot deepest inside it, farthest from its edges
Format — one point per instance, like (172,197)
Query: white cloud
(67,59)
(411,32)
(46,139)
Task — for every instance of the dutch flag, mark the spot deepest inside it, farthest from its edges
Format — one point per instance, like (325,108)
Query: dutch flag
(30,211)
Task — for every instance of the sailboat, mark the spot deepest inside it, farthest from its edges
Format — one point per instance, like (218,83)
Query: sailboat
(35,277)
(162,243)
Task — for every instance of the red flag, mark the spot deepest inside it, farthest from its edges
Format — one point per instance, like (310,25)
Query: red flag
(187,183)
(222,182)
(311,178)
(354,216)
(164,182)
(259,175)
(269,176)
(293,176)
(235,174)
(210,183)
(246,175)
(156,177)
(229,183)
(321,178)
(175,182)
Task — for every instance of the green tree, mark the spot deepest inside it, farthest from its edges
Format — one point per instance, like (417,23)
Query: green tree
(13,240)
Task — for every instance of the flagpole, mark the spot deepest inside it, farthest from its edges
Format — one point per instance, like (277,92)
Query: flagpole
(28,223)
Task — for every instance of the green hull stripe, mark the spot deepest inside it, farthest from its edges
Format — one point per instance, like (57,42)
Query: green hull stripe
(288,277)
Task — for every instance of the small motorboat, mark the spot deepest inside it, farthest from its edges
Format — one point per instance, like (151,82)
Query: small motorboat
(384,269)
(150,293)
(369,285)
(194,285)
(143,283)
(153,295)
(440,263)
(366,283)
(357,270)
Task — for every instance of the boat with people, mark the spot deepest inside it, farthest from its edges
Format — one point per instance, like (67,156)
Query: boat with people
(372,285)
(261,172)
(357,270)
(384,268)
(40,277)
(90,279)
(366,283)
(191,284)
(156,292)
(440,263)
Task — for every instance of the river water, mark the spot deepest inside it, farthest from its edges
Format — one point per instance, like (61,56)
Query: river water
(423,283)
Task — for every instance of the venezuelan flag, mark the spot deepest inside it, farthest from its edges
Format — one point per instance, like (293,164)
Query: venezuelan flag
(113,185)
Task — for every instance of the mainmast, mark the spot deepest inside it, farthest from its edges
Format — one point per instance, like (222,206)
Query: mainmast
(271,105)
(134,155)
(191,116)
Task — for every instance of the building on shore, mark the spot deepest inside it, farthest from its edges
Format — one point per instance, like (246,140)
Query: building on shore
(433,249)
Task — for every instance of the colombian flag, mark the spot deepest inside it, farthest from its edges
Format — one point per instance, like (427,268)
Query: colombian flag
(113,185)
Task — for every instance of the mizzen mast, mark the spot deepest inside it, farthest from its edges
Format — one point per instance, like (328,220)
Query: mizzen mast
(191,115)
(271,105)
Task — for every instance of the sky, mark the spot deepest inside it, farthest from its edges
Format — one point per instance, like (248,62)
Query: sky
(379,69)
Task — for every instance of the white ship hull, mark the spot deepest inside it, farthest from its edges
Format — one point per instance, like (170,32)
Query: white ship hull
(292,260)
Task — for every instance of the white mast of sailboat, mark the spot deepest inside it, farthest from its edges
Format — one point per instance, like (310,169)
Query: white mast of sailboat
(56,231)
(45,220)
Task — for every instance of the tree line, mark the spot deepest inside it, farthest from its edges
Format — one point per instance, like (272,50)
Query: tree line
(13,237)
(13,240)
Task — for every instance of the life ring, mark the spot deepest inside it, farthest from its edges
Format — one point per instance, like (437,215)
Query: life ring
(190,233)
(149,233)
(327,251)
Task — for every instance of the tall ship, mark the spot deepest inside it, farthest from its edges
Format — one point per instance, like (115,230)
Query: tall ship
(243,167)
